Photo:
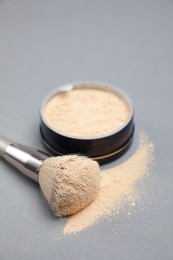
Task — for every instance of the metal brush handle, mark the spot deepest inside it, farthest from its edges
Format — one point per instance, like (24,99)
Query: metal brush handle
(26,159)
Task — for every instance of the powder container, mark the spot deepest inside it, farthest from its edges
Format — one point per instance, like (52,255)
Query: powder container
(104,148)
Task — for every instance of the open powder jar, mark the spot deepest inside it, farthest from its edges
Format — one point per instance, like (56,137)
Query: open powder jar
(88,118)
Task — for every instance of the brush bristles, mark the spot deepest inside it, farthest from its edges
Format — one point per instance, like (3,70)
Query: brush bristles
(69,183)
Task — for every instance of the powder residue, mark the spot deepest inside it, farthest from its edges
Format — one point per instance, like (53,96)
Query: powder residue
(87,112)
(69,183)
(117,188)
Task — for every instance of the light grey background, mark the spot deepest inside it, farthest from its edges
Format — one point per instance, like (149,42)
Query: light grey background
(44,44)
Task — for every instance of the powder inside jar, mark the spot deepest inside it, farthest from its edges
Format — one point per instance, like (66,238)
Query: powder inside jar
(86,112)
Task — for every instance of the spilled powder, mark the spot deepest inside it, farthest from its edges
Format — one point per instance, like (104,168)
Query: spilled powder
(85,112)
(117,188)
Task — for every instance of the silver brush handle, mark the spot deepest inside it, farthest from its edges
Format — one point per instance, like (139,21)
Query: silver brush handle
(26,159)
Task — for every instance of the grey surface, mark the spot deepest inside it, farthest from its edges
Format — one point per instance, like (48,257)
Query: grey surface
(44,44)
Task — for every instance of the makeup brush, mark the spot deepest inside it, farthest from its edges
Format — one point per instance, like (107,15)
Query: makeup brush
(69,182)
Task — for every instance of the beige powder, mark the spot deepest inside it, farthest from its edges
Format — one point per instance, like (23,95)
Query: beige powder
(69,183)
(86,112)
(117,188)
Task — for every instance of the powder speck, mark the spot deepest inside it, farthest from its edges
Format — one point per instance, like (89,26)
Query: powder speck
(69,183)
(117,189)
(86,112)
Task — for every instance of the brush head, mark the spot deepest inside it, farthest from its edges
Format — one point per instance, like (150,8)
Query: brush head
(69,183)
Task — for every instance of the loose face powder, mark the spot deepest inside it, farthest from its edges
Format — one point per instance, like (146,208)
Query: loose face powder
(86,112)
(87,118)
(118,189)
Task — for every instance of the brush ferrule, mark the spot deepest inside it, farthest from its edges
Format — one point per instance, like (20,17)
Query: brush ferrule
(27,160)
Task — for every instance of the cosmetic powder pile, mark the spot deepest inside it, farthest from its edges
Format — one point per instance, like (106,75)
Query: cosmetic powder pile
(86,112)
(117,189)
